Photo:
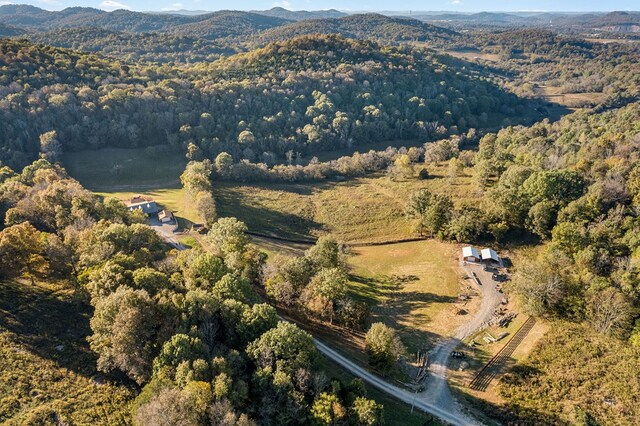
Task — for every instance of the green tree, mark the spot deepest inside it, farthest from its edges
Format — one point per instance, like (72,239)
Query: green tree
(22,250)
(197,177)
(256,321)
(150,280)
(558,186)
(228,235)
(286,347)
(327,410)
(125,325)
(542,217)
(432,212)
(383,346)
(50,147)
(325,253)
(327,287)
(206,207)
(366,412)
(177,350)
(224,162)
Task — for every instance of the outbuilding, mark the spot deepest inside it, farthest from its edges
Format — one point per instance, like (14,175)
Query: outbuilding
(470,254)
(166,216)
(490,256)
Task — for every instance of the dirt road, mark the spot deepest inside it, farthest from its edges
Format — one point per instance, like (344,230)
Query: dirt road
(437,390)
(436,399)
(399,393)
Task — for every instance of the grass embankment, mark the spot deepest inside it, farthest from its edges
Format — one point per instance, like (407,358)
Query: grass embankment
(123,173)
(355,210)
(47,373)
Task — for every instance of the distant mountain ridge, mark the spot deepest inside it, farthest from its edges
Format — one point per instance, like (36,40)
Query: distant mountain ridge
(370,25)
(300,15)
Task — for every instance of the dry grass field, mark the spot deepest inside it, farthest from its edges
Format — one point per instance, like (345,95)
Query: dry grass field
(48,374)
(358,210)
(412,287)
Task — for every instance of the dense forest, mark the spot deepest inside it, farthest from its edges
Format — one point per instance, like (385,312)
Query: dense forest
(318,91)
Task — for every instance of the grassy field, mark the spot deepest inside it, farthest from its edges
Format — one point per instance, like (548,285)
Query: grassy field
(47,373)
(126,170)
(123,173)
(412,287)
(474,55)
(572,101)
(363,209)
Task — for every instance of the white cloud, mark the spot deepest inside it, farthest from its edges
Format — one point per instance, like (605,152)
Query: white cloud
(4,3)
(113,5)
(283,3)
(173,6)
(456,2)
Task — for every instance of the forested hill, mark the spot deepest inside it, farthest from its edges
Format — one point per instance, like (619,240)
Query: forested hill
(8,31)
(364,26)
(207,25)
(153,46)
(228,23)
(320,91)
(299,15)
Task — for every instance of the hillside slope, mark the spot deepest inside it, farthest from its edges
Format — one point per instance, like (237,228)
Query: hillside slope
(309,93)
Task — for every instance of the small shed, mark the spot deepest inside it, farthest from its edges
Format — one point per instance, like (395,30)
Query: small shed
(470,254)
(166,216)
(490,256)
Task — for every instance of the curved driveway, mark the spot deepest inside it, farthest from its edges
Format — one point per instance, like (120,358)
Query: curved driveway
(436,399)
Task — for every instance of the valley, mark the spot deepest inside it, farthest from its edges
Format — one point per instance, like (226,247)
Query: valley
(280,217)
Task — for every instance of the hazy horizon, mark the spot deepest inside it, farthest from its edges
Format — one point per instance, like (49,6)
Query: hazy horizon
(349,6)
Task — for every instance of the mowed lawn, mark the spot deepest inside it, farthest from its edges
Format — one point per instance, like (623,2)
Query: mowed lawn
(412,287)
(123,173)
(364,209)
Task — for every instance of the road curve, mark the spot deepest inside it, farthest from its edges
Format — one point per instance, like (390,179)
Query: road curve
(437,391)
(399,393)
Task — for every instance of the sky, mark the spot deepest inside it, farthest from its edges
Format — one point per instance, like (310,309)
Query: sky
(345,5)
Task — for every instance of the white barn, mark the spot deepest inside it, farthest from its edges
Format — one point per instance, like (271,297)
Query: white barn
(490,256)
(470,254)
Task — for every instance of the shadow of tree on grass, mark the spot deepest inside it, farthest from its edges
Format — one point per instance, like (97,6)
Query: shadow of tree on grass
(48,324)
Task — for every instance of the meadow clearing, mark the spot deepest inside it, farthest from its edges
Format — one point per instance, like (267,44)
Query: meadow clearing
(367,209)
